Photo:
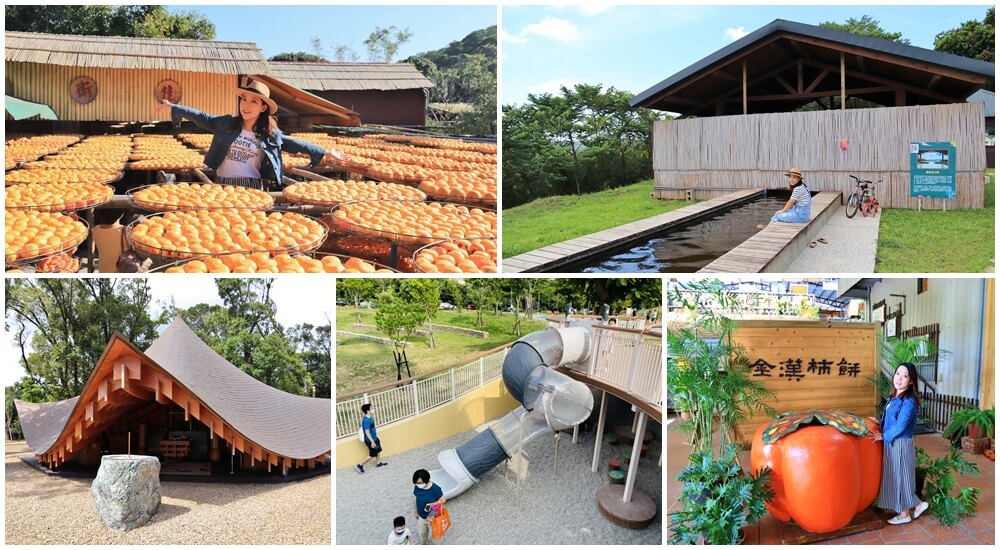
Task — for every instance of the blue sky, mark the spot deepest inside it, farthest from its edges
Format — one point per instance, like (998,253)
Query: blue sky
(634,47)
(277,29)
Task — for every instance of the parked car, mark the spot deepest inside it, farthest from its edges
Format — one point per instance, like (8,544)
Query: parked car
(446,305)
(470,307)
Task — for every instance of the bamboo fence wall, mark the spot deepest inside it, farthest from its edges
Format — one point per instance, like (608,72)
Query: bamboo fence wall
(715,155)
(123,94)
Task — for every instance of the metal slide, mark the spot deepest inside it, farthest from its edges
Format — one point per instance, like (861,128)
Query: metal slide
(551,401)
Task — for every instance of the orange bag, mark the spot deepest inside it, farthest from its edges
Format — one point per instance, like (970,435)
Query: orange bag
(440,523)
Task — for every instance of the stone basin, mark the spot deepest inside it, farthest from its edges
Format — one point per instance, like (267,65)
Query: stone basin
(127,490)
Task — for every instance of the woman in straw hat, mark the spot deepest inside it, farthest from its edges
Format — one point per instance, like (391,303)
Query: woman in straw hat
(796,210)
(246,148)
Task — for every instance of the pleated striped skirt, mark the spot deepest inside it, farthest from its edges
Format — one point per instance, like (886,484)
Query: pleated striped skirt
(253,183)
(898,490)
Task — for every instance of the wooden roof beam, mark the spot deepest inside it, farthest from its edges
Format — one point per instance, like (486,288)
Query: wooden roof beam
(891,59)
(824,93)
(934,82)
(734,91)
(708,71)
(812,86)
(887,82)
(861,64)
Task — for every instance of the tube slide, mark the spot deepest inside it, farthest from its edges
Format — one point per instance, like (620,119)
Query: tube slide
(551,401)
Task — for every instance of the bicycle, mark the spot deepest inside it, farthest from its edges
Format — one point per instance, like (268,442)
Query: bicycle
(862,198)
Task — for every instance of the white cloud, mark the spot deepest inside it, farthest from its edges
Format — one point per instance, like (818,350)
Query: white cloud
(734,34)
(552,28)
(550,87)
(594,8)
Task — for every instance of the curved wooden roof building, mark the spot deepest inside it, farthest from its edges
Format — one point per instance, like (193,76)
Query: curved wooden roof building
(264,423)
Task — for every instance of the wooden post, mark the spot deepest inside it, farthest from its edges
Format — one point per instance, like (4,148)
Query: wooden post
(745,83)
(600,431)
(843,84)
(633,465)
(798,64)
(130,444)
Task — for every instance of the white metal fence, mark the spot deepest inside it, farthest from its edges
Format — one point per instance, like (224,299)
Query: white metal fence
(417,396)
(623,358)
(629,360)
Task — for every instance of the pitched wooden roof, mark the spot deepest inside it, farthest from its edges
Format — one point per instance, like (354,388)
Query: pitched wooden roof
(323,76)
(178,367)
(117,52)
(789,64)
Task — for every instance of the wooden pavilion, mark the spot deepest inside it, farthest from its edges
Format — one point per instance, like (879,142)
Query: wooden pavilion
(178,399)
(830,102)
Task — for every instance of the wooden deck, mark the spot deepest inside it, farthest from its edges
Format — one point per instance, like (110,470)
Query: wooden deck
(776,246)
(550,258)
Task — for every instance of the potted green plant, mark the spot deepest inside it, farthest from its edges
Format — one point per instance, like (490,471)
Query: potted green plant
(708,377)
(979,423)
(707,373)
(718,499)
(936,480)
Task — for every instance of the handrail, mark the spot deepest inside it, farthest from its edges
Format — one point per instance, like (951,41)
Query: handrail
(397,383)
(406,400)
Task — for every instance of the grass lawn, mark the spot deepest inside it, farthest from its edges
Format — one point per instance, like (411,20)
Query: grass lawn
(957,241)
(362,364)
(554,219)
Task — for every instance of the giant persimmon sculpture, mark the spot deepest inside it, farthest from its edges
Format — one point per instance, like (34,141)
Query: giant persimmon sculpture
(825,467)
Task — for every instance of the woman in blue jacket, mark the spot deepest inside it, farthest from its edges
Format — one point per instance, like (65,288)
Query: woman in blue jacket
(899,471)
(246,149)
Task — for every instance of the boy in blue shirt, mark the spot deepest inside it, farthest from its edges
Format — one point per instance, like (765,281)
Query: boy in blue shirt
(371,439)
(427,496)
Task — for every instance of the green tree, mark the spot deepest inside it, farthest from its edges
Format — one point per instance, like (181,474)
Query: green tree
(482,293)
(355,291)
(297,56)
(131,20)
(383,43)
(425,294)
(866,26)
(398,319)
(975,39)
(244,331)
(312,344)
(62,326)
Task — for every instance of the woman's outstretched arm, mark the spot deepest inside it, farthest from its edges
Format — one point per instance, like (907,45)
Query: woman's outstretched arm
(180,112)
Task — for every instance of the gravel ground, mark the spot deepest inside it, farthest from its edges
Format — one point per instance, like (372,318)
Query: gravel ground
(554,508)
(43,509)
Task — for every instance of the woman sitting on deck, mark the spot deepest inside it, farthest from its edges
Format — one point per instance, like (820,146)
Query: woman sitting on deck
(797,209)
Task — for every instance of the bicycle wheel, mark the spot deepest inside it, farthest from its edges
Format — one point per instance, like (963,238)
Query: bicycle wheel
(866,204)
(852,205)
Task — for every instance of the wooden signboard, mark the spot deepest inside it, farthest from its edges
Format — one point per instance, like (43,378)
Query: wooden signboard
(810,364)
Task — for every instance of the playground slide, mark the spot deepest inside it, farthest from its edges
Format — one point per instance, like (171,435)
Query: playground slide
(551,401)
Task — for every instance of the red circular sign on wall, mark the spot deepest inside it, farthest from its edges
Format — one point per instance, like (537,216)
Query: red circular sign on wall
(168,89)
(83,89)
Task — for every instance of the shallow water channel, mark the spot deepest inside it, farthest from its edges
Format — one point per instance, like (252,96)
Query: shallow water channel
(688,248)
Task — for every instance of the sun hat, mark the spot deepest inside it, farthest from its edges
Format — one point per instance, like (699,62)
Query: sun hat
(794,172)
(261,89)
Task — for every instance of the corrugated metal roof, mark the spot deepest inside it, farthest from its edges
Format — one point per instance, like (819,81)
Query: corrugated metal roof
(282,423)
(117,52)
(986,97)
(349,76)
(832,35)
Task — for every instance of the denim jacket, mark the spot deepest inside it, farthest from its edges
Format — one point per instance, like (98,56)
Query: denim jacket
(899,419)
(226,128)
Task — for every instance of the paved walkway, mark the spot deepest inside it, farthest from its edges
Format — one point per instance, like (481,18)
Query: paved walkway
(979,529)
(555,507)
(850,248)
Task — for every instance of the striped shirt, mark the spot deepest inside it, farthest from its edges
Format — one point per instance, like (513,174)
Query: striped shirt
(801,195)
